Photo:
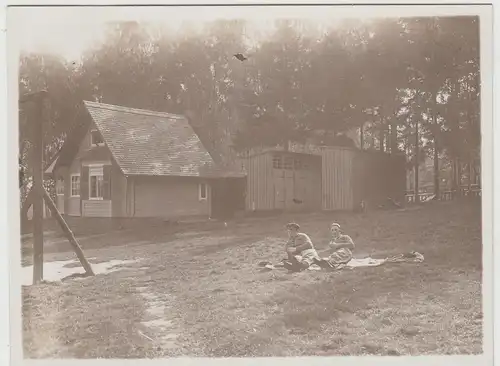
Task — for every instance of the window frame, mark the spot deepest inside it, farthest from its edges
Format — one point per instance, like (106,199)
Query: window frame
(288,162)
(92,144)
(277,160)
(99,192)
(202,184)
(71,185)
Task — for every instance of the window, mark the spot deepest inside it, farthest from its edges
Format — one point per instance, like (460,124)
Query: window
(95,187)
(288,163)
(75,185)
(96,138)
(277,162)
(203,194)
(96,177)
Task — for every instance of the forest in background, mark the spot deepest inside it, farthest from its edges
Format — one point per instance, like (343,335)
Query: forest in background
(407,85)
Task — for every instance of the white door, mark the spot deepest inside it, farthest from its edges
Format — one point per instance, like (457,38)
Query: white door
(60,195)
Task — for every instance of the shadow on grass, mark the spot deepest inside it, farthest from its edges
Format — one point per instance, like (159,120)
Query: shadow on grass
(306,311)
(243,242)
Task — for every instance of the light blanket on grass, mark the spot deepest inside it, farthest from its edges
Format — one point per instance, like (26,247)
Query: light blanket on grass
(411,257)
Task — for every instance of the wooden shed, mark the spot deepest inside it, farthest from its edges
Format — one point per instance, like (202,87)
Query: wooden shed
(339,178)
(334,178)
(350,176)
(280,180)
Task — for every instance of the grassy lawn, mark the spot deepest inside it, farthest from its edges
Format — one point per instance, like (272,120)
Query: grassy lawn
(204,295)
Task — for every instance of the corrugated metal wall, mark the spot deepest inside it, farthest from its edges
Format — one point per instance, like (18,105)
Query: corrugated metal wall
(337,178)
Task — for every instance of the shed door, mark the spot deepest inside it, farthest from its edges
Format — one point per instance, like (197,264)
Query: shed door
(300,189)
(279,188)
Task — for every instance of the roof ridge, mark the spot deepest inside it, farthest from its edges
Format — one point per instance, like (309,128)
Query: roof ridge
(144,112)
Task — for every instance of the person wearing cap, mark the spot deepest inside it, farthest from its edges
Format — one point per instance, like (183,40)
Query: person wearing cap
(300,249)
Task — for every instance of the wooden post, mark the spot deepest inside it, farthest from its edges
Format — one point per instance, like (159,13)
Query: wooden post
(69,234)
(37,166)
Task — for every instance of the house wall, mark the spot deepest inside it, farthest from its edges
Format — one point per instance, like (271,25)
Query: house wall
(73,203)
(118,192)
(338,178)
(58,173)
(86,156)
(100,208)
(168,197)
(130,197)
(96,207)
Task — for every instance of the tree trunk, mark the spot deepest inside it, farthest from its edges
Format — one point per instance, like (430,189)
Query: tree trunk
(458,176)
(470,174)
(361,137)
(417,159)
(437,190)
(454,176)
(394,137)
(382,138)
(26,205)
(435,126)
(474,172)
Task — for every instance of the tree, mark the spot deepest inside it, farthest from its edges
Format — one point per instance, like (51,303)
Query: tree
(382,77)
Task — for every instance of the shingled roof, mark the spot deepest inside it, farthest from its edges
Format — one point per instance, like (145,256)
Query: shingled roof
(144,142)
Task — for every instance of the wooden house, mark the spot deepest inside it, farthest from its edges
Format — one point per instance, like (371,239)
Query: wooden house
(125,162)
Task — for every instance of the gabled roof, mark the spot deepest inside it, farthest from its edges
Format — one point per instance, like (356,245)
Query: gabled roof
(149,143)
(50,168)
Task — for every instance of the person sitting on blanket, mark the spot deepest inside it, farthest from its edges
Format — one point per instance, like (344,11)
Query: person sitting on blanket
(342,245)
(300,249)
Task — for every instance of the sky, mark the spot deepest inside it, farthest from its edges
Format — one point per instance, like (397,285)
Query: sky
(71,39)
(71,30)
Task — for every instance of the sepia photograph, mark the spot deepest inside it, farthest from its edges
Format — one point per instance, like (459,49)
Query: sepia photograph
(251,181)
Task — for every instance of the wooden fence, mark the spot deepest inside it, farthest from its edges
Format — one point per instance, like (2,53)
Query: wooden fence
(445,195)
